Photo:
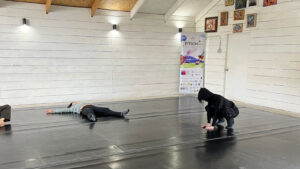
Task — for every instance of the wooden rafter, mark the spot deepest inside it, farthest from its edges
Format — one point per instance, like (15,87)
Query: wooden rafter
(48,5)
(173,8)
(136,8)
(204,11)
(94,7)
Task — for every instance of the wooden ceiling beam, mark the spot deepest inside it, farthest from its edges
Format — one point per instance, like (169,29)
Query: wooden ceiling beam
(204,11)
(94,7)
(173,9)
(136,8)
(48,5)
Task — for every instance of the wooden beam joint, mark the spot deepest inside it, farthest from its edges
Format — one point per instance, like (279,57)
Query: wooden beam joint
(48,5)
(94,7)
(136,8)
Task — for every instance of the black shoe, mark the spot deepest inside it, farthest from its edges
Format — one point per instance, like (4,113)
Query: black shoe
(91,117)
(220,127)
(124,113)
(230,132)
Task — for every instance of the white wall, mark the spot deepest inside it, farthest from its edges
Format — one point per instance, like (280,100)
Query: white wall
(67,55)
(273,78)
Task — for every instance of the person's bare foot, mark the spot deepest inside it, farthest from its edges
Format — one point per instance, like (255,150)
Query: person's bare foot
(48,111)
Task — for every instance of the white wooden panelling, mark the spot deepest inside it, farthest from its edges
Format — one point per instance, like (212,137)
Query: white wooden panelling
(68,55)
(273,78)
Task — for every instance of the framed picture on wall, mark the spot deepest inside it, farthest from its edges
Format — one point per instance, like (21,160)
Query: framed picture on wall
(251,20)
(239,14)
(229,2)
(240,4)
(211,24)
(270,2)
(237,28)
(252,2)
(224,19)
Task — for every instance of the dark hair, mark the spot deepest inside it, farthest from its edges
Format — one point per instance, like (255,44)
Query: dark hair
(70,105)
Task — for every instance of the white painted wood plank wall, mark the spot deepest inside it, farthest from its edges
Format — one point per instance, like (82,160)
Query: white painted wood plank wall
(67,55)
(274,64)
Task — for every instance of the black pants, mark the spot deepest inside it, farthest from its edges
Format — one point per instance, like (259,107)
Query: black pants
(99,112)
(230,114)
(5,112)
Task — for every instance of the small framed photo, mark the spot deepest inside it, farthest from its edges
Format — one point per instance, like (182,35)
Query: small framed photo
(229,2)
(211,24)
(239,14)
(239,4)
(270,2)
(251,20)
(224,19)
(252,3)
(237,28)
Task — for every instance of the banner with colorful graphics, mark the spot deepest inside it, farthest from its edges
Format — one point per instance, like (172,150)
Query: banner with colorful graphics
(192,62)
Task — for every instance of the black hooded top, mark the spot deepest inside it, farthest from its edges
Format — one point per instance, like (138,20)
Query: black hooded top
(5,112)
(217,107)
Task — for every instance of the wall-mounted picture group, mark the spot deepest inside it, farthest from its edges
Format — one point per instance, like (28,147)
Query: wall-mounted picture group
(211,23)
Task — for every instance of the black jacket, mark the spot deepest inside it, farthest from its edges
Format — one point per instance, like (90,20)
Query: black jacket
(218,107)
(5,112)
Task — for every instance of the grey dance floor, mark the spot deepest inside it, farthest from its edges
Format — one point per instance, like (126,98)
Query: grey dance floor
(158,134)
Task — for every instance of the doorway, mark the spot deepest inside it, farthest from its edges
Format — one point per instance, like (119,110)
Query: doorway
(236,66)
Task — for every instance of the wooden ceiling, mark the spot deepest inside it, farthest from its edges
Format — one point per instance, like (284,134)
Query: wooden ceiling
(119,5)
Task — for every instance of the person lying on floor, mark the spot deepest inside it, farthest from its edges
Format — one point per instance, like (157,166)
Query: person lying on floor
(218,109)
(5,112)
(88,111)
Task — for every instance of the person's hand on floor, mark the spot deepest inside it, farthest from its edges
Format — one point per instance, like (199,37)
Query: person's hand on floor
(2,122)
(210,128)
(48,111)
(207,125)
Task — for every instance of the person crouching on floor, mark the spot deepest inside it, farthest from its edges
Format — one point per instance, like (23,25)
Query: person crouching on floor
(5,112)
(218,109)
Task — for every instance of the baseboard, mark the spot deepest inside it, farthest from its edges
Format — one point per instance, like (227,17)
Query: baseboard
(269,109)
(92,101)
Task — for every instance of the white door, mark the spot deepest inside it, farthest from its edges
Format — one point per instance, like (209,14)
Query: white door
(236,66)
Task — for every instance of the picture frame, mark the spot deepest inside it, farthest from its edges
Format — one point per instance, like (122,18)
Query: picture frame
(269,2)
(239,14)
(237,28)
(211,24)
(251,20)
(229,2)
(239,4)
(224,18)
(252,3)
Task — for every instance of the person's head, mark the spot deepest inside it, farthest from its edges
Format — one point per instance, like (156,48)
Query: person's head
(204,94)
(72,104)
